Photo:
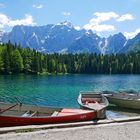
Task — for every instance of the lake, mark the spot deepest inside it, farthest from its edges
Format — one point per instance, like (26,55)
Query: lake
(61,90)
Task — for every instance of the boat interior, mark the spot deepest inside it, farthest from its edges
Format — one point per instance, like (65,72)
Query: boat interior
(18,109)
(124,95)
(93,100)
(92,97)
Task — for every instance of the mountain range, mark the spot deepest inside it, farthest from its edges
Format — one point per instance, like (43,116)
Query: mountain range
(64,38)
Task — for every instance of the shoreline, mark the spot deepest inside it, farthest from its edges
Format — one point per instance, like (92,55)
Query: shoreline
(48,74)
(63,74)
(126,129)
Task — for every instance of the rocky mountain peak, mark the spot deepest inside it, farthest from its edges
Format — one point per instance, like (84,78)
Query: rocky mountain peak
(66,23)
(63,37)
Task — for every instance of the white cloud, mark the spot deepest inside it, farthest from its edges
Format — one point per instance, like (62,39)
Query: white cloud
(39,6)
(3,20)
(99,27)
(96,23)
(28,20)
(77,27)
(66,13)
(101,17)
(125,17)
(130,35)
(7,21)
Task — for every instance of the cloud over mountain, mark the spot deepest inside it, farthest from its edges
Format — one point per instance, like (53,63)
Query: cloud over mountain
(97,23)
(125,17)
(7,21)
(130,35)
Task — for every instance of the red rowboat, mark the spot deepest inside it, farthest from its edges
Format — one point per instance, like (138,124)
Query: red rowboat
(18,114)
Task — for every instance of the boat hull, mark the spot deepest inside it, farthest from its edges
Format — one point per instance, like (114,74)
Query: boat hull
(6,121)
(63,116)
(130,104)
(100,112)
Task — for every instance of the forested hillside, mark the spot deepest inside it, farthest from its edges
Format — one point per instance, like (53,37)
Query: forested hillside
(14,59)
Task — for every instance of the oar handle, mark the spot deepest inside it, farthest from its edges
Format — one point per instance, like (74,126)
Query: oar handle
(8,108)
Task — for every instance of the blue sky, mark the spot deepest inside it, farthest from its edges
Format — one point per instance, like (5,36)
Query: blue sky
(104,17)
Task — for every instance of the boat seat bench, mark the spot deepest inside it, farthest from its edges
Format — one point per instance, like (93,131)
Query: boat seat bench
(55,113)
(29,114)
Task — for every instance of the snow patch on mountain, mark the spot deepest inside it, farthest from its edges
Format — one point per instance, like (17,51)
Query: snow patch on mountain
(65,38)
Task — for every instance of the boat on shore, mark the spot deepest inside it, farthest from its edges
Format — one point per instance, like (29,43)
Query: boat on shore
(93,101)
(19,114)
(124,99)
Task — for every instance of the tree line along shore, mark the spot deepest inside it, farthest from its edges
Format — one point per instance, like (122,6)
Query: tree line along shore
(15,60)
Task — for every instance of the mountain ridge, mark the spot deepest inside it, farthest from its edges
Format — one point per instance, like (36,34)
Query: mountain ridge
(64,38)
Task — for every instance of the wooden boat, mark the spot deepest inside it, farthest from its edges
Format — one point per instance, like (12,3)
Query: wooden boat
(93,101)
(123,99)
(19,114)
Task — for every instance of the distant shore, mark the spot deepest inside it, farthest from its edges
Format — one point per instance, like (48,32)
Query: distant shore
(52,74)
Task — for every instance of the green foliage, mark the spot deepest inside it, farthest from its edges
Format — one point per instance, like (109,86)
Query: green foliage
(14,59)
(1,64)
(6,60)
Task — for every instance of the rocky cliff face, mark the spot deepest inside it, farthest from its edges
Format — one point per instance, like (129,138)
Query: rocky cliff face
(64,38)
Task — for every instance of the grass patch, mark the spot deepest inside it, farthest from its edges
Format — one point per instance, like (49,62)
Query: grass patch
(26,130)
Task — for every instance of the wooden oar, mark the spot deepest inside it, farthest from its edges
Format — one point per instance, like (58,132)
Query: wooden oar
(8,108)
(19,101)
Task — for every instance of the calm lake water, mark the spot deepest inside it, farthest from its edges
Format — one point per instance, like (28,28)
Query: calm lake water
(62,90)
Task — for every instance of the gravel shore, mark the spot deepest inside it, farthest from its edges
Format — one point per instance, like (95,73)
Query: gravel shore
(114,131)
